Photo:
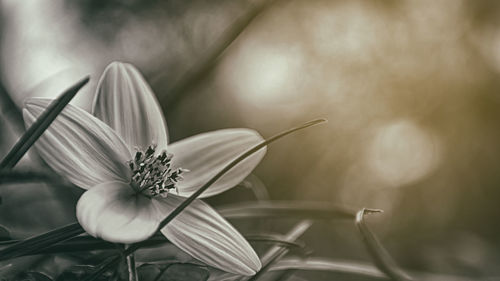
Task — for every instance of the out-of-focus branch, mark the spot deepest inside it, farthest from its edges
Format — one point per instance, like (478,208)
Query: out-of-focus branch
(10,110)
(196,73)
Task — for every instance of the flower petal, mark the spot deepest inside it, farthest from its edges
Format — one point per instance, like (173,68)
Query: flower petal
(127,104)
(114,212)
(206,154)
(80,146)
(201,232)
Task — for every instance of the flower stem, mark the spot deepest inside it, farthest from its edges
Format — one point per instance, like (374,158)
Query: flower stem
(132,271)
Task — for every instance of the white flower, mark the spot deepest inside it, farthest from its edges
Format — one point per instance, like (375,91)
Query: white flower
(118,156)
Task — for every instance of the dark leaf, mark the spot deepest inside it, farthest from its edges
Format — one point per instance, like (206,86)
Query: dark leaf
(16,177)
(79,272)
(40,125)
(32,276)
(183,272)
(40,242)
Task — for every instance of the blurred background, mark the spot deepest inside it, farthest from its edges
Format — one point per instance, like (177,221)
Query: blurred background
(410,89)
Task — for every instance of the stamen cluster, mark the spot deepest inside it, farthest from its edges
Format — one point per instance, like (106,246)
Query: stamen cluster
(152,174)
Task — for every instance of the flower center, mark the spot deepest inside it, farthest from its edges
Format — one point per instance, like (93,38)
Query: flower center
(152,174)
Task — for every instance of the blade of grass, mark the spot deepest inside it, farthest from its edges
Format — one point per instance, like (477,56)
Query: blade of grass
(102,267)
(279,209)
(209,60)
(40,242)
(217,176)
(378,253)
(325,264)
(275,239)
(277,252)
(229,166)
(357,268)
(40,125)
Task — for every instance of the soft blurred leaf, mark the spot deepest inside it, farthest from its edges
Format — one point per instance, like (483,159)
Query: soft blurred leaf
(276,252)
(171,272)
(325,264)
(40,242)
(11,268)
(163,253)
(149,272)
(184,272)
(258,188)
(78,272)
(4,233)
(31,209)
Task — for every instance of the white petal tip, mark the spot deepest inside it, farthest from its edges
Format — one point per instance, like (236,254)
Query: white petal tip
(116,66)
(253,268)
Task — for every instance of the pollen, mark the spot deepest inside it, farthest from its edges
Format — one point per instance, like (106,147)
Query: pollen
(153,174)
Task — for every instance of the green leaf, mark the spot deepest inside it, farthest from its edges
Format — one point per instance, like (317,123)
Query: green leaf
(40,125)
(378,253)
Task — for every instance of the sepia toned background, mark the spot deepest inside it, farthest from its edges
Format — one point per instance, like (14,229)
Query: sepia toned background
(411,90)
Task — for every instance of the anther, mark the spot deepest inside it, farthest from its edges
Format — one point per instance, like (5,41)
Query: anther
(153,175)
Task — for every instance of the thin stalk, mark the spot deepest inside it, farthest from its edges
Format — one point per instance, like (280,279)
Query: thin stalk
(277,252)
(132,270)
(228,167)
(40,125)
